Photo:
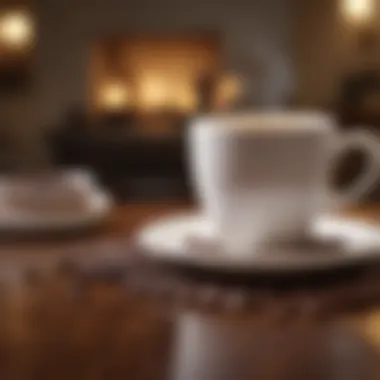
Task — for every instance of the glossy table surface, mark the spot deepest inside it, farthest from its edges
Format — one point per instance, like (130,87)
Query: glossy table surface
(54,326)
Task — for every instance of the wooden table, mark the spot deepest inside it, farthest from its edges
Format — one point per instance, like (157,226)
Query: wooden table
(50,329)
(41,252)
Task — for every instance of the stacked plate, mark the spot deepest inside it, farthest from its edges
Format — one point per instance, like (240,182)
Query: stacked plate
(52,202)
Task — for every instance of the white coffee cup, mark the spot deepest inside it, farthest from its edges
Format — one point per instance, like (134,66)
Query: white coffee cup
(265,176)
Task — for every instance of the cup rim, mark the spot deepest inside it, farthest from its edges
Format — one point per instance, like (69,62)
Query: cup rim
(270,122)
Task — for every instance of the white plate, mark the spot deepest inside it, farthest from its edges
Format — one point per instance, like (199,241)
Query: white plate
(188,239)
(97,207)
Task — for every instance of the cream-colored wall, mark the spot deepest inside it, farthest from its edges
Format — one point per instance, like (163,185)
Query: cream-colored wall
(326,50)
(315,56)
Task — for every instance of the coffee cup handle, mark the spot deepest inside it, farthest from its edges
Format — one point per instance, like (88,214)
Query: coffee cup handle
(368,143)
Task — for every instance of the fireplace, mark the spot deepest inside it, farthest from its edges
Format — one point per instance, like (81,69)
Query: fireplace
(156,75)
(142,93)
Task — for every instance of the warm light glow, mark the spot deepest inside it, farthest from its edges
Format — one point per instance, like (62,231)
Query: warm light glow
(358,11)
(153,94)
(114,96)
(369,326)
(185,99)
(229,90)
(161,73)
(16,29)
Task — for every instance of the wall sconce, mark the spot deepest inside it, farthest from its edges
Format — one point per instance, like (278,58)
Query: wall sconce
(113,97)
(358,11)
(16,29)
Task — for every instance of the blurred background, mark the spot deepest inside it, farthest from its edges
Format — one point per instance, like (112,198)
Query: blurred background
(111,85)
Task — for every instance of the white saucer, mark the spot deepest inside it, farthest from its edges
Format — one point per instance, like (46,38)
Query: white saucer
(188,239)
(95,210)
